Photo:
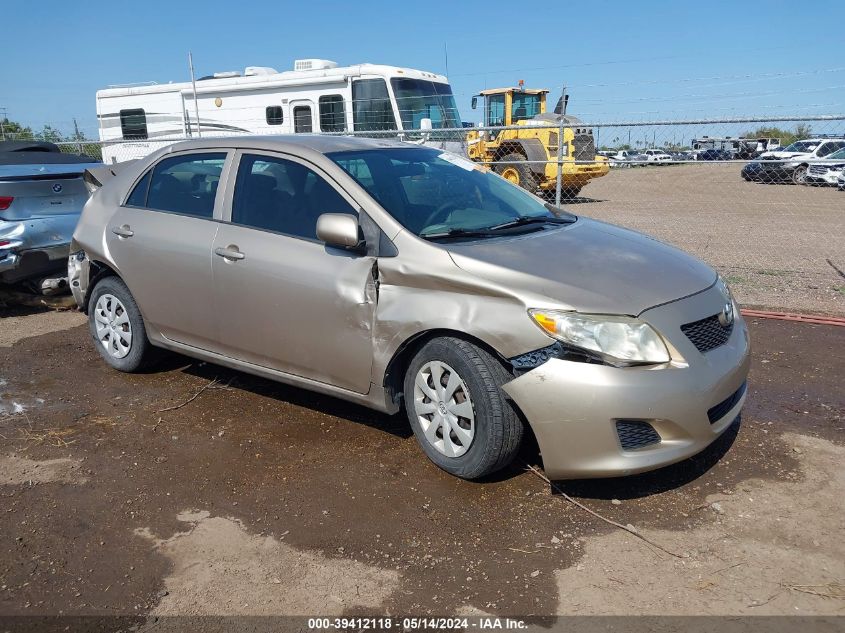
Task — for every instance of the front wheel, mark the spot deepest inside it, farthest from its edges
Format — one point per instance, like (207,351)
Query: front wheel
(457,410)
(799,175)
(117,327)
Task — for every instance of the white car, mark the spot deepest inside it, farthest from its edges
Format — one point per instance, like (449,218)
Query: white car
(657,156)
(827,172)
(792,162)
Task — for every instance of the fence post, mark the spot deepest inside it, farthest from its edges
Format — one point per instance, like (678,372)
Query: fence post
(559,176)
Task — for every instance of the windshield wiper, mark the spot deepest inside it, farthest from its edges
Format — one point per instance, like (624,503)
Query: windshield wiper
(531,219)
(457,233)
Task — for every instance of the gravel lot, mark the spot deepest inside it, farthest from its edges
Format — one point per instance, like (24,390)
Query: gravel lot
(256,498)
(776,244)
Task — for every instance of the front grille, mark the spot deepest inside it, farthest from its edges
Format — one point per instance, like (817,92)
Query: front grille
(819,170)
(585,147)
(714,414)
(636,434)
(708,333)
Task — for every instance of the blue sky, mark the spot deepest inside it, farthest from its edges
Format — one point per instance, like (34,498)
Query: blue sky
(621,60)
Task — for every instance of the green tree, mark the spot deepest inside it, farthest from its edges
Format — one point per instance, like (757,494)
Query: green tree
(802,130)
(12,131)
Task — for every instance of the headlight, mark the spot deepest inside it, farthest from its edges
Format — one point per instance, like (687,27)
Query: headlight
(621,338)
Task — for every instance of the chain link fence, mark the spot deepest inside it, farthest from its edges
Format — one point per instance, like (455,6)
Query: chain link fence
(755,197)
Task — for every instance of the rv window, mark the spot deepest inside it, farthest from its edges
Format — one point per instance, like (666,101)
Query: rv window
(274,194)
(332,114)
(274,115)
(302,119)
(133,124)
(371,107)
(186,184)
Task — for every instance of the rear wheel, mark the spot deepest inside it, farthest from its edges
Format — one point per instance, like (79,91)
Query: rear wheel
(457,410)
(117,327)
(513,168)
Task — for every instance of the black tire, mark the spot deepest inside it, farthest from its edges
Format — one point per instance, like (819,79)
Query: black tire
(140,350)
(498,428)
(519,174)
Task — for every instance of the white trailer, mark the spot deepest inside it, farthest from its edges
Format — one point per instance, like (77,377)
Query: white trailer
(317,96)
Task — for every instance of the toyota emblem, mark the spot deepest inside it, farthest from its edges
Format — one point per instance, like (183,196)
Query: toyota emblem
(57,188)
(726,316)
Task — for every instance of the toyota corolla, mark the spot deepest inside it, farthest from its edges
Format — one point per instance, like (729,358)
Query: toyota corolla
(402,277)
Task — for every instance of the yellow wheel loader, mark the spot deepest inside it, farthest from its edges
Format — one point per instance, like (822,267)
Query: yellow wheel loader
(527,156)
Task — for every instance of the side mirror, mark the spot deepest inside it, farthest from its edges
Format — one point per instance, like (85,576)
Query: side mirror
(425,124)
(474,103)
(340,230)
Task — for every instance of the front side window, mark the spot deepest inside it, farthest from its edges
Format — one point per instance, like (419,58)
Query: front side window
(302,120)
(829,148)
(495,114)
(133,124)
(186,184)
(371,107)
(332,114)
(275,194)
(433,193)
(274,115)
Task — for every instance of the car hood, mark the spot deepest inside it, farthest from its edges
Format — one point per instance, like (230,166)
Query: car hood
(781,155)
(588,266)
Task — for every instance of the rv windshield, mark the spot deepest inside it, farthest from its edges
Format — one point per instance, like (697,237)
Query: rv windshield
(418,99)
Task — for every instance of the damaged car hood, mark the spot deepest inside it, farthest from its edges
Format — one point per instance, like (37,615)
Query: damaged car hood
(589,266)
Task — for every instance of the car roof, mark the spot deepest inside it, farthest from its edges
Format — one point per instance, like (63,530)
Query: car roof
(322,144)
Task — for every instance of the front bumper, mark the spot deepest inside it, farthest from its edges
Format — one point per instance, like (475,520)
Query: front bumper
(574,407)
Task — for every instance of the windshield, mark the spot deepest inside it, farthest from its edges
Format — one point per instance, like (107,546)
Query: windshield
(839,155)
(418,99)
(432,193)
(801,146)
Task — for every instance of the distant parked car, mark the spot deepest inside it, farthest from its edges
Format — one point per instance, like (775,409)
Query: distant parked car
(828,172)
(657,156)
(715,154)
(41,197)
(751,171)
(790,164)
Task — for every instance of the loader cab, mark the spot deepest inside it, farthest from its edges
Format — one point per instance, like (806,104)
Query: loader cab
(507,106)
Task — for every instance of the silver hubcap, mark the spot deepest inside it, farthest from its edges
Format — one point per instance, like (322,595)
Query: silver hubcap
(114,331)
(444,408)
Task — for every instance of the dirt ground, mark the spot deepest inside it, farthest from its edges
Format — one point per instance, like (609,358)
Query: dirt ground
(778,245)
(257,498)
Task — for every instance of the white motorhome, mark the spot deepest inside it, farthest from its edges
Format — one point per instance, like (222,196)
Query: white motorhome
(317,96)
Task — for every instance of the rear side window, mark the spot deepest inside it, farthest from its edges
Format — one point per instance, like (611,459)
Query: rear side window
(133,124)
(186,184)
(274,115)
(280,195)
(138,197)
(332,115)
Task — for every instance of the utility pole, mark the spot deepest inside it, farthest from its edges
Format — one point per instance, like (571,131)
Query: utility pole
(77,136)
(2,121)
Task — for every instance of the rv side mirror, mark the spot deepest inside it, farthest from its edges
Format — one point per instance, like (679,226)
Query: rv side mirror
(474,103)
(425,124)
(340,230)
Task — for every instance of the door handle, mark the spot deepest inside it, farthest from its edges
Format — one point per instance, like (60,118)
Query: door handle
(123,231)
(230,253)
